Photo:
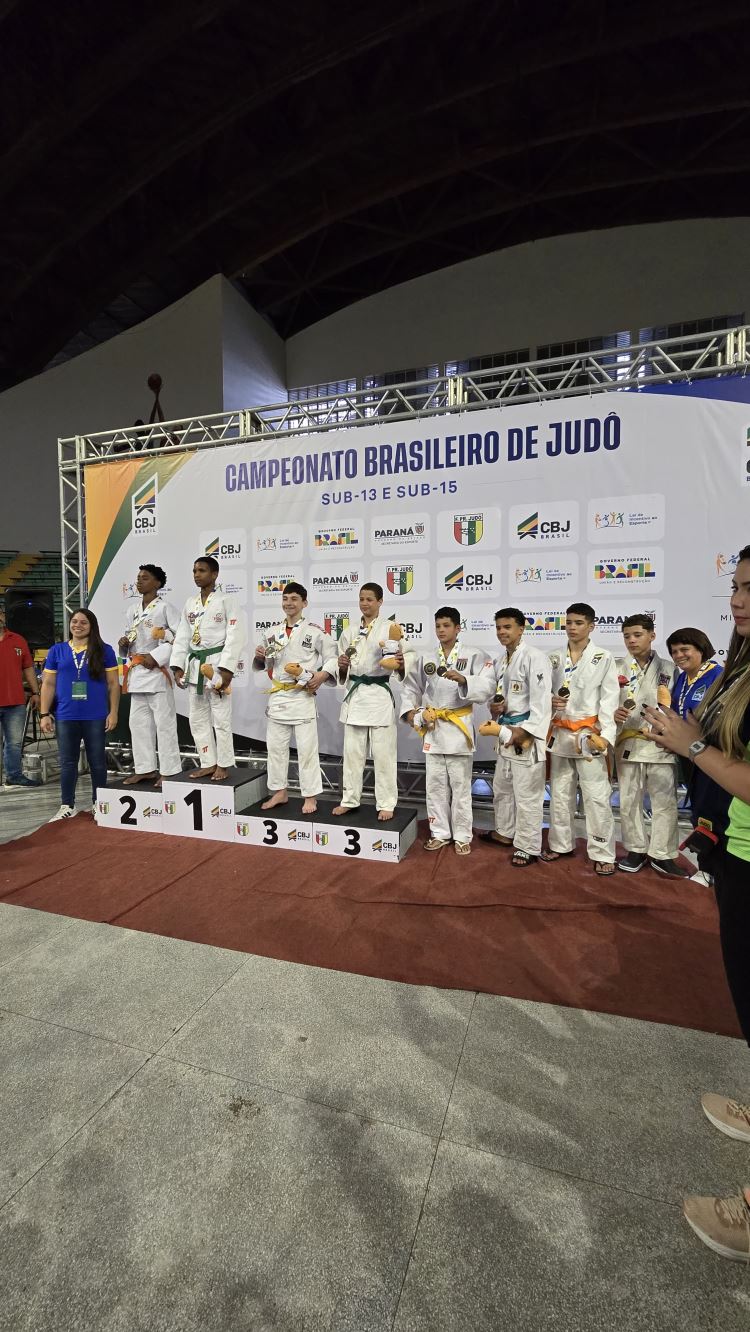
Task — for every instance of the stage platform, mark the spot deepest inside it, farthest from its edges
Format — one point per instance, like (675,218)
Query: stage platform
(230,811)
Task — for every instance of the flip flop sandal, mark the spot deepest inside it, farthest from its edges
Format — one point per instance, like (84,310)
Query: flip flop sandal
(521,859)
(549,857)
(603,868)
(462,848)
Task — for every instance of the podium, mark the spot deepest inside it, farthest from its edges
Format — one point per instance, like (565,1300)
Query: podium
(358,833)
(182,807)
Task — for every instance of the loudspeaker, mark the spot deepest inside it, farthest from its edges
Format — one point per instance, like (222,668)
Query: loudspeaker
(30,612)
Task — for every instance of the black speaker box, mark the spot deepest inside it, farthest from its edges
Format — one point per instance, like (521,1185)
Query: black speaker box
(30,612)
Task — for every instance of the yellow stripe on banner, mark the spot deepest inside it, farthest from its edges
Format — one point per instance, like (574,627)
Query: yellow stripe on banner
(107,486)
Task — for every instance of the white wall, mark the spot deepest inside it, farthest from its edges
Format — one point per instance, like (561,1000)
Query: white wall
(253,354)
(567,287)
(103,389)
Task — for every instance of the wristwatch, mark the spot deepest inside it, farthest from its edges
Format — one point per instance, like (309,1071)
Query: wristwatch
(697,748)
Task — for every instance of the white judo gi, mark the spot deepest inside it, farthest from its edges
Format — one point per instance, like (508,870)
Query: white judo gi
(642,766)
(153,717)
(291,710)
(222,638)
(449,748)
(518,786)
(594,693)
(369,715)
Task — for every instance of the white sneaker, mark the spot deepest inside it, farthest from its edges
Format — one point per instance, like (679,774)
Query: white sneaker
(64,812)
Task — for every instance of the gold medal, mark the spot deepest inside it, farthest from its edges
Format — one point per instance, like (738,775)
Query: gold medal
(131,635)
(195,640)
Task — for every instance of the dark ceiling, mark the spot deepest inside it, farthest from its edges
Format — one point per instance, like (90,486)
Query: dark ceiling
(318,152)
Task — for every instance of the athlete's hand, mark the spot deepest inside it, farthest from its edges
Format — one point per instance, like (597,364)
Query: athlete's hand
(455,675)
(559,704)
(260,652)
(497,710)
(149,662)
(344,663)
(124,645)
(517,736)
(178,673)
(621,715)
(315,681)
(226,680)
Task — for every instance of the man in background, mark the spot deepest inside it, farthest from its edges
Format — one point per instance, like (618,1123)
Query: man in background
(16,665)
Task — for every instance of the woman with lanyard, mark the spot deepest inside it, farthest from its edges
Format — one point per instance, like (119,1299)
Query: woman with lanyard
(718,742)
(81,678)
(691,651)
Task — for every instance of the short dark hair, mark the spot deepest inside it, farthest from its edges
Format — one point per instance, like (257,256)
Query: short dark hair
(692,638)
(448,613)
(296,587)
(156,573)
(209,560)
(639,620)
(511,613)
(582,608)
(373,587)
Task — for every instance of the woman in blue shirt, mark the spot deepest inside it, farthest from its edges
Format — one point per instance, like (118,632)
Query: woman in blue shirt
(80,678)
(691,651)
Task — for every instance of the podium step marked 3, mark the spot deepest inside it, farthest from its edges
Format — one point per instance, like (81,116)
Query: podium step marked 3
(356,834)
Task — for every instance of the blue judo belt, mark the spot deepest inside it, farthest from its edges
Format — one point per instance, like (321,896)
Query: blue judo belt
(514,718)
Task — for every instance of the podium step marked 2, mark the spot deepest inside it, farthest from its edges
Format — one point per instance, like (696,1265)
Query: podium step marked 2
(182,807)
(356,834)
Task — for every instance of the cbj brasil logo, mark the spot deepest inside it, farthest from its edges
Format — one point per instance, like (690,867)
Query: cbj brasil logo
(399,579)
(144,507)
(458,581)
(544,530)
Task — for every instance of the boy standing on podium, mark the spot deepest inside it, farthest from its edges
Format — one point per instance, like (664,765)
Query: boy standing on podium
(299,657)
(207,647)
(440,690)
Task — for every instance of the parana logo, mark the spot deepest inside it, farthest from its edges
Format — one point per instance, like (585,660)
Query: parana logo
(333,581)
(145,507)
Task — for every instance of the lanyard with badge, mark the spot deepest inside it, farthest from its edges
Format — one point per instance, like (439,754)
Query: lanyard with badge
(689,684)
(79,687)
(142,615)
(198,616)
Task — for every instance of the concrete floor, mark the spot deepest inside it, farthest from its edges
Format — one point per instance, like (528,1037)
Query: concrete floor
(192,1138)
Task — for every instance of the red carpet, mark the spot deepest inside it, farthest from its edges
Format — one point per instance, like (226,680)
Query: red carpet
(638,945)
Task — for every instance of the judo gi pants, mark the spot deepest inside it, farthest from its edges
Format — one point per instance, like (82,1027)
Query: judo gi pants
(565,775)
(634,779)
(279,736)
(153,725)
(383,745)
(518,797)
(448,796)
(211,725)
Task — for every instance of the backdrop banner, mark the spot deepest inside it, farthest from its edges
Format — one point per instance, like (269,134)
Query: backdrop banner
(632,502)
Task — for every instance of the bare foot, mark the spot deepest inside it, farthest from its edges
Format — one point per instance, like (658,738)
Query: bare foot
(385,814)
(310,805)
(344,809)
(278,798)
(220,774)
(201,774)
(137,777)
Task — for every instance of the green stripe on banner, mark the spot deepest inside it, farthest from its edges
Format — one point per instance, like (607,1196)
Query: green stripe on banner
(162,469)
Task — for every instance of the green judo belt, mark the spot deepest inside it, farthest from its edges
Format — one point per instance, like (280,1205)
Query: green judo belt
(357,680)
(200,655)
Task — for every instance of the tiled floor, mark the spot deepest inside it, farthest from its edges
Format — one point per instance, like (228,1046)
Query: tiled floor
(197,1140)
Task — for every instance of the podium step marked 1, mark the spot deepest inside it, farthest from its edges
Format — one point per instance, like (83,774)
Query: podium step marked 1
(182,807)
(230,811)
(356,834)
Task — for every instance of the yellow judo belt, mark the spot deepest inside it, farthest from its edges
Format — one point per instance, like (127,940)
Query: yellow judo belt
(453,715)
(631,734)
(276,685)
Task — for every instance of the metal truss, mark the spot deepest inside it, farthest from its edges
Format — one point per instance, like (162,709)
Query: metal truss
(623,369)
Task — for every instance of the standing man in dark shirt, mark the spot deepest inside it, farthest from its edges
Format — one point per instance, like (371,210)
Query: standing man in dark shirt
(16,665)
